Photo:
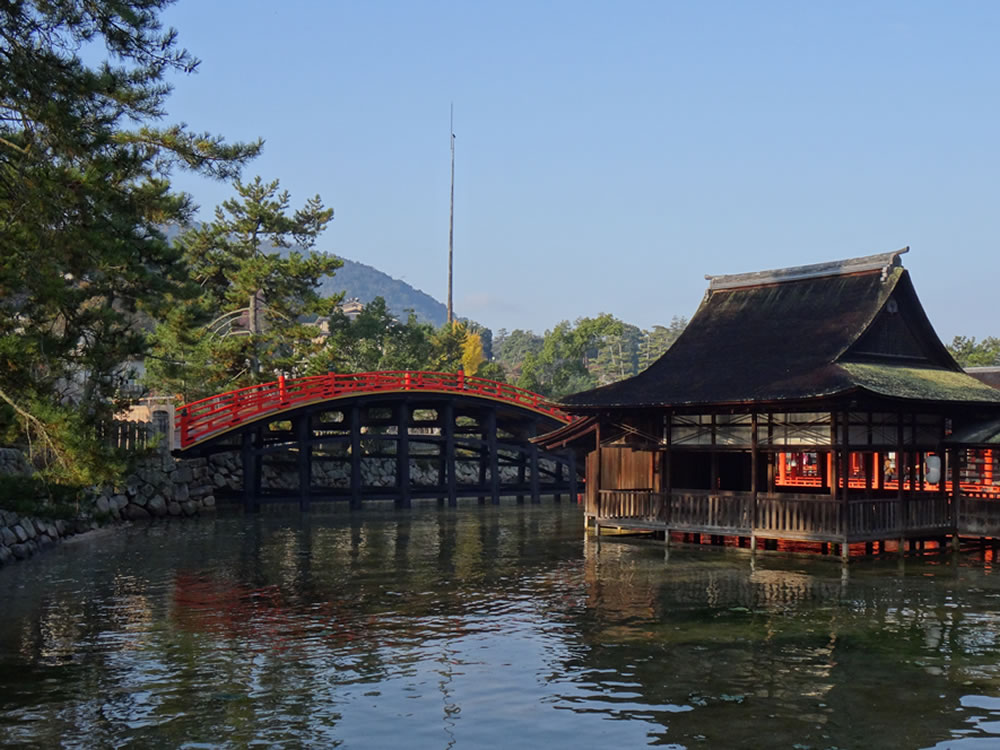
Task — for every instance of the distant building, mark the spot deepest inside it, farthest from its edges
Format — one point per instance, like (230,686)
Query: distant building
(988,375)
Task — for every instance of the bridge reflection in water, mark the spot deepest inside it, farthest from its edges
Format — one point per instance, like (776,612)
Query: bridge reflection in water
(394,436)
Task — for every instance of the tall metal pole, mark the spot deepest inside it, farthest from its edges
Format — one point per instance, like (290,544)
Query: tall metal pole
(451,218)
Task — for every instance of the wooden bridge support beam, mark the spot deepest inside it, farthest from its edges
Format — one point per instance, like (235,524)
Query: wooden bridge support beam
(403,454)
(535,483)
(252,441)
(449,468)
(303,434)
(494,459)
(355,456)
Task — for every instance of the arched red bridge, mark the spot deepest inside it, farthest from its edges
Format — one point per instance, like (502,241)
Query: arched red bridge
(379,436)
(205,419)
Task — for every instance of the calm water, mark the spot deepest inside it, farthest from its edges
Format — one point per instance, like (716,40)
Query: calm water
(482,628)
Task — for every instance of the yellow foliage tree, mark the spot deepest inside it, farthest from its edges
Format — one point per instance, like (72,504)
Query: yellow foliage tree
(472,353)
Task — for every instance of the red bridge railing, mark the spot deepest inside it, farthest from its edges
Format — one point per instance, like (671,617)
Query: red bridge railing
(203,419)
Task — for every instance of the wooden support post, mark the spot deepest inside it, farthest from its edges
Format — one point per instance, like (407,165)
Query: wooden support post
(956,494)
(494,457)
(403,454)
(484,460)
(668,477)
(901,471)
(574,492)
(251,472)
(450,475)
(535,485)
(845,477)
(355,456)
(303,435)
(522,474)
(597,472)
(754,461)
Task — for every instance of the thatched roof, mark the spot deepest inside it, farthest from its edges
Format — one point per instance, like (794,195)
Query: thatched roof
(800,334)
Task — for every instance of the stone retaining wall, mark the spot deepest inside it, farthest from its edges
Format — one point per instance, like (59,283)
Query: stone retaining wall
(160,486)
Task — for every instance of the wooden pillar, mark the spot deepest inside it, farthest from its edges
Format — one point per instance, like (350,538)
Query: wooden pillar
(403,454)
(494,458)
(845,473)
(251,471)
(754,460)
(303,435)
(956,491)
(450,475)
(574,490)
(833,465)
(597,478)
(667,479)
(522,473)
(533,465)
(782,467)
(900,473)
(355,456)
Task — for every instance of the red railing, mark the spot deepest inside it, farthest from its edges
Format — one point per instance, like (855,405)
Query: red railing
(201,420)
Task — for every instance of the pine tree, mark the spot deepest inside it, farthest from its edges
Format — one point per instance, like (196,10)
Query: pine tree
(84,194)
(252,309)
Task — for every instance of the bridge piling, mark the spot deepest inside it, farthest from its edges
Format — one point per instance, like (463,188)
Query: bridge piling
(303,433)
(447,472)
(355,456)
(403,453)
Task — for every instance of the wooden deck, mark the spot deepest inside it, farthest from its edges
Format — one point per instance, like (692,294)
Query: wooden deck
(795,517)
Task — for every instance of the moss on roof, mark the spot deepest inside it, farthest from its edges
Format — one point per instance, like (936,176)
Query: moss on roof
(919,383)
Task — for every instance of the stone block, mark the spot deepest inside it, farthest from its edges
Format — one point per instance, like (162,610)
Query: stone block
(181,492)
(20,533)
(5,555)
(174,508)
(183,474)
(157,505)
(136,512)
(21,551)
(190,508)
(103,506)
(7,537)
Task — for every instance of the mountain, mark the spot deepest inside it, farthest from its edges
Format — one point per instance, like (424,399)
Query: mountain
(366,283)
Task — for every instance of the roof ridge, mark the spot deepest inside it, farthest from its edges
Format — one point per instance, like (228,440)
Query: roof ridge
(881,261)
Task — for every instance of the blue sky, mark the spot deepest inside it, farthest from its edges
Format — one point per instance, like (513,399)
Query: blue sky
(609,155)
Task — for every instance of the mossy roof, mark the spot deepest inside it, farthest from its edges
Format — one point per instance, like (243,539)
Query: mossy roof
(787,336)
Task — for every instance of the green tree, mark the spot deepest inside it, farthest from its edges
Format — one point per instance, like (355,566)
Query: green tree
(970,353)
(84,192)
(560,366)
(375,340)
(252,305)
(618,356)
(511,349)
(658,339)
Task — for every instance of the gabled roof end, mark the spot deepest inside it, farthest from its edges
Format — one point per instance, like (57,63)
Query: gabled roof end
(882,261)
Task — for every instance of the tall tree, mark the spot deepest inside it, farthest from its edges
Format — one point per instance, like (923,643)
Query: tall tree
(84,193)
(252,309)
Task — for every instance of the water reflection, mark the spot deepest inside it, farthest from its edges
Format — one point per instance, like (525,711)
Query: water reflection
(482,627)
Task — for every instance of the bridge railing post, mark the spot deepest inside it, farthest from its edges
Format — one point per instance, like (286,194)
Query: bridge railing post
(461,380)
